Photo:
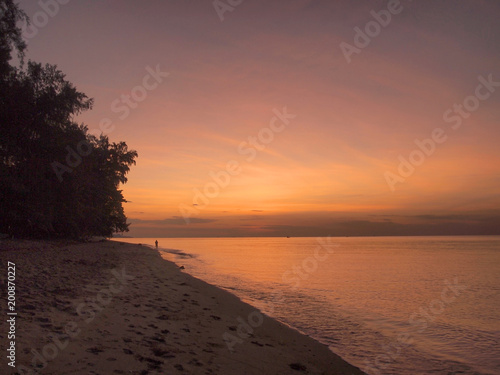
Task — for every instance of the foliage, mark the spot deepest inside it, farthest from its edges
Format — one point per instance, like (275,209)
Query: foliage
(37,133)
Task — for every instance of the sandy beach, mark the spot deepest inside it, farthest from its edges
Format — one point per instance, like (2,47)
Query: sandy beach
(115,308)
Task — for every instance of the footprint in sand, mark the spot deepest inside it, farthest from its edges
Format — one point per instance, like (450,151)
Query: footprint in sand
(257,343)
(162,353)
(297,366)
(215,345)
(195,362)
(157,338)
(94,350)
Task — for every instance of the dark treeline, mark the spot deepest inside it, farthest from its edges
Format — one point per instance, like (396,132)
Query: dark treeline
(56,180)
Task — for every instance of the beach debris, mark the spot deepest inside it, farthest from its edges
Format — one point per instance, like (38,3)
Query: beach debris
(181,267)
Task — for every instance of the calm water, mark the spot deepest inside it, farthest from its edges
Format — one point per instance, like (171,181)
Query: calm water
(389,305)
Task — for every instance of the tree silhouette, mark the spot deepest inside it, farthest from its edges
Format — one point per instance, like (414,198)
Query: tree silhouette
(55,178)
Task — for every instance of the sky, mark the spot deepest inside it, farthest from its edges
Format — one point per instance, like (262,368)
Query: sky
(290,118)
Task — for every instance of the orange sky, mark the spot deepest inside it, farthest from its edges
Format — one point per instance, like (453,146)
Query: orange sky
(322,172)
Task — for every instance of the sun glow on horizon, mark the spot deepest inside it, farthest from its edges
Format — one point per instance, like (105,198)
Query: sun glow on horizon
(225,91)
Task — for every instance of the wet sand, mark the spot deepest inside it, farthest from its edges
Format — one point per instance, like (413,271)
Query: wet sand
(115,308)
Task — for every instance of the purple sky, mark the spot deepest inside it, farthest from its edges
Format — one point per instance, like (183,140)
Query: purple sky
(334,166)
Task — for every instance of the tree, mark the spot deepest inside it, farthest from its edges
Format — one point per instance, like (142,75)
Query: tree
(37,133)
(10,34)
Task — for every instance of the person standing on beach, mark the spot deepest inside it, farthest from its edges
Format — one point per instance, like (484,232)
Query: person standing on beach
(156,243)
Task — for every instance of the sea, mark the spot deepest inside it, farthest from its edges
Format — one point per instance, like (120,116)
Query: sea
(388,305)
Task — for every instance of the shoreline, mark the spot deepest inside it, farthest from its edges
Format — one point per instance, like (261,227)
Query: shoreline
(118,308)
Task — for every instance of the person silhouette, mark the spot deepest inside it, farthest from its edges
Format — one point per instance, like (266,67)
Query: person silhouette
(156,243)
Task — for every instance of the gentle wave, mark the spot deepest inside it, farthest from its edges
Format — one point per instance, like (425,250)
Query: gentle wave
(362,298)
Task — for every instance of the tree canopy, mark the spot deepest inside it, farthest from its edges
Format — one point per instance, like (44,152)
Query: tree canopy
(56,179)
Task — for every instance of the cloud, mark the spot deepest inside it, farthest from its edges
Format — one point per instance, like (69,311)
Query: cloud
(174,220)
